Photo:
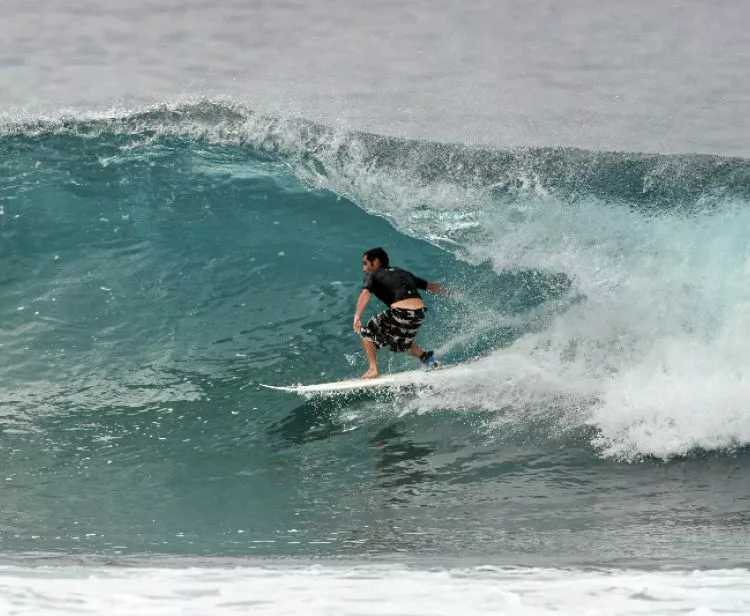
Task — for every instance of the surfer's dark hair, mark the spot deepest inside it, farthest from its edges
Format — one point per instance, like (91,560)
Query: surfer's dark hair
(377,253)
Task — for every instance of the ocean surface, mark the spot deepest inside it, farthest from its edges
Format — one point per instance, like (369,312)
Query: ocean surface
(186,190)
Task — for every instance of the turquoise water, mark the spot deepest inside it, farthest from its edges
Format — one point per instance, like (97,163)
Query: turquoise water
(158,266)
(186,189)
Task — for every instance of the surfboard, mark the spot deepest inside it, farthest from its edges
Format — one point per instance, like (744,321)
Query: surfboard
(419,378)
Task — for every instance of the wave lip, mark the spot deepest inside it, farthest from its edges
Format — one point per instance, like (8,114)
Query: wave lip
(687,182)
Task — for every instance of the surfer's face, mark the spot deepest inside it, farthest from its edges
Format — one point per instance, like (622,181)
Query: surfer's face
(368,266)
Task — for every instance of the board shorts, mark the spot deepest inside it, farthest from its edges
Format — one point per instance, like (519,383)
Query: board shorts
(394,328)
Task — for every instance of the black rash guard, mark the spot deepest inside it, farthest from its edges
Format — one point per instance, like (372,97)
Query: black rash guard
(392,284)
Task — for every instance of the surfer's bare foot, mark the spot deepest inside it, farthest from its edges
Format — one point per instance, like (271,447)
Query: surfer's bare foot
(372,373)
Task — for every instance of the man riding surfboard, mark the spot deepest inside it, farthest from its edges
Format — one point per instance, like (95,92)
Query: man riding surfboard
(397,326)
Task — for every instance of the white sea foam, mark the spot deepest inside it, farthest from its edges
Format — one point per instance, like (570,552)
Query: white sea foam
(653,341)
(369,590)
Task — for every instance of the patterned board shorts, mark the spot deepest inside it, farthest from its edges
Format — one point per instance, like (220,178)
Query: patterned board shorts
(394,328)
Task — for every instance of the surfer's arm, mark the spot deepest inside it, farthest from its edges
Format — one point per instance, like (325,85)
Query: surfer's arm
(434,287)
(362,301)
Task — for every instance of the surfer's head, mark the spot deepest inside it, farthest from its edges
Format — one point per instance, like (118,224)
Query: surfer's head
(373,259)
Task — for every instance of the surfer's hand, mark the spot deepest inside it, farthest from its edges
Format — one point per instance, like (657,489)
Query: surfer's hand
(357,325)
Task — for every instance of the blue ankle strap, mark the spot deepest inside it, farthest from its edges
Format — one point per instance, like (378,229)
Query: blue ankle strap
(427,357)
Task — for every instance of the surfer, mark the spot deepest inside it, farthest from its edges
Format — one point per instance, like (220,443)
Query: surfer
(397,326)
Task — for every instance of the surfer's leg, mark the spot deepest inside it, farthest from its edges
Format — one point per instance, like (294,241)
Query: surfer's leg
(374,336)
(411,321)
(372,358)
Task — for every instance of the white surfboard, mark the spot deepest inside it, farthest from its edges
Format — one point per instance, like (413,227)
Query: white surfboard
(410,378)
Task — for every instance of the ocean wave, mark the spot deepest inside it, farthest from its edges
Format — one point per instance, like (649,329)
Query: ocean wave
(608,285)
